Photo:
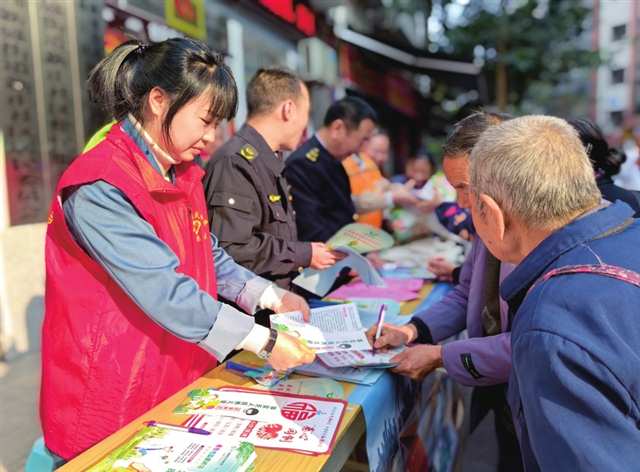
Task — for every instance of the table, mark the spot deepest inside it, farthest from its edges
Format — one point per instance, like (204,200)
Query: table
(351,429)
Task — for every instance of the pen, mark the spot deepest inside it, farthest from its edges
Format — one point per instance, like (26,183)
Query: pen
(174,427)
(380,322)
(241,368)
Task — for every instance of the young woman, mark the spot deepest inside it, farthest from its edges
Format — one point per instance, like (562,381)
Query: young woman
(133,273)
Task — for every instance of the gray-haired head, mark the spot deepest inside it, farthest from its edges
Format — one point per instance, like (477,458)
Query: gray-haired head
(536,168)
(466,132)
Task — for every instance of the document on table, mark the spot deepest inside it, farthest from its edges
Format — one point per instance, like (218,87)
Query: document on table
(330,328)
(368,358)
(399,290)
(396,271)
(345,374)
(265,418)
(320,282)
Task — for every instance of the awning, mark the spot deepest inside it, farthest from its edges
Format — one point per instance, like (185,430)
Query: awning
(427,64)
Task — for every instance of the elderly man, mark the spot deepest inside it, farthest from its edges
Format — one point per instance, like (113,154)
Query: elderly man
(573,297)
(484,359)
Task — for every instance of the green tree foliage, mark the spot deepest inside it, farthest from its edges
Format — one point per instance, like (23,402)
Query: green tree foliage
(523,42)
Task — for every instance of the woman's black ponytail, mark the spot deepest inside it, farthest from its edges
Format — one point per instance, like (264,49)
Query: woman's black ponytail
(605,160)
(183,68)
(110,82)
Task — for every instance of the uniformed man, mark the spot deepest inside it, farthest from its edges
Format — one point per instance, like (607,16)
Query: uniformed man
(319,183)
(250,209)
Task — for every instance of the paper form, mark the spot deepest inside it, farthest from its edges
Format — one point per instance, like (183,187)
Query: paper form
(330,328)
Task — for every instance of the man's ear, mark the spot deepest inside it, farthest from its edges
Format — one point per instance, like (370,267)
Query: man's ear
(157,103)
(494,216)
(287,109)
(338,128)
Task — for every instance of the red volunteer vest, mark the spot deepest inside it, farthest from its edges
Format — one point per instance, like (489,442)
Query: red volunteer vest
(104,361)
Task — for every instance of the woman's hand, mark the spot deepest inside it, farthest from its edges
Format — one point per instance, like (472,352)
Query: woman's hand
(289,301)
(289,352)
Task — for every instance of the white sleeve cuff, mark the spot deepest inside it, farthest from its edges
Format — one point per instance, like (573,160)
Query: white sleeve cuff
(229,330)
(271,298)
(256,340)
(250,296)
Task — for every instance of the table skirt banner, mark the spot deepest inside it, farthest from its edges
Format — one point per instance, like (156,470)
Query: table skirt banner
(388,404)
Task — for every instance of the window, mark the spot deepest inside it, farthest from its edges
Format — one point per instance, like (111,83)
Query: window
(617,76)
(616,117)
(618,32)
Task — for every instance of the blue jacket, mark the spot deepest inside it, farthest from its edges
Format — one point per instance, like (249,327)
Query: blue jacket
(574,389)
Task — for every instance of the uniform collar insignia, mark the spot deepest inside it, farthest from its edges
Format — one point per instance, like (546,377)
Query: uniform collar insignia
(248,152)
(313,154)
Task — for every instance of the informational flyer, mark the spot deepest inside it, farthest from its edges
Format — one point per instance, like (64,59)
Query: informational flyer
(323,388)
(361,238)
(268,419)
(331,328)
(156,449)
(320,282)
(368,358)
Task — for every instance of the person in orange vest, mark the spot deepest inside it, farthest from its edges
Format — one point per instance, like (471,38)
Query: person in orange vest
(371,192)
(133,272)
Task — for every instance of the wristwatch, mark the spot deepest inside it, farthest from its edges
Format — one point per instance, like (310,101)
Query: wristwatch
(265,352)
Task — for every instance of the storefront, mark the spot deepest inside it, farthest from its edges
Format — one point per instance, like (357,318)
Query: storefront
(47,53)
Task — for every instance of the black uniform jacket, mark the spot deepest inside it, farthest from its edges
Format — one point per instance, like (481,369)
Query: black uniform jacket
(321,192)
(250,208)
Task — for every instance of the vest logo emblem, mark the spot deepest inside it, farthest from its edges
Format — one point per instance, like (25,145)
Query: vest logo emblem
(273,198)
(50,218)
(199,223)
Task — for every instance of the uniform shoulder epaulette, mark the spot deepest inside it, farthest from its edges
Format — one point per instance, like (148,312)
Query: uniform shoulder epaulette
(313,154)
(248,152)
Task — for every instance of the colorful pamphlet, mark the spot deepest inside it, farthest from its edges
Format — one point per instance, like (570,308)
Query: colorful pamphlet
(361,238)
(359,290)
(265,418)
(330,328)
(320,282)
(158,449)
(265,376)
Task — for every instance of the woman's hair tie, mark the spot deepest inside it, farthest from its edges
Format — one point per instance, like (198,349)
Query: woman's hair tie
(141,48)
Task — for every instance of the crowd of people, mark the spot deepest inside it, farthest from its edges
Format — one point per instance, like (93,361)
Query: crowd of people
(155,266)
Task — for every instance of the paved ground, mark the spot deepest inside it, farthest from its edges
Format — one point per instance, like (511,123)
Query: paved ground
(480,450)
(19,425)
